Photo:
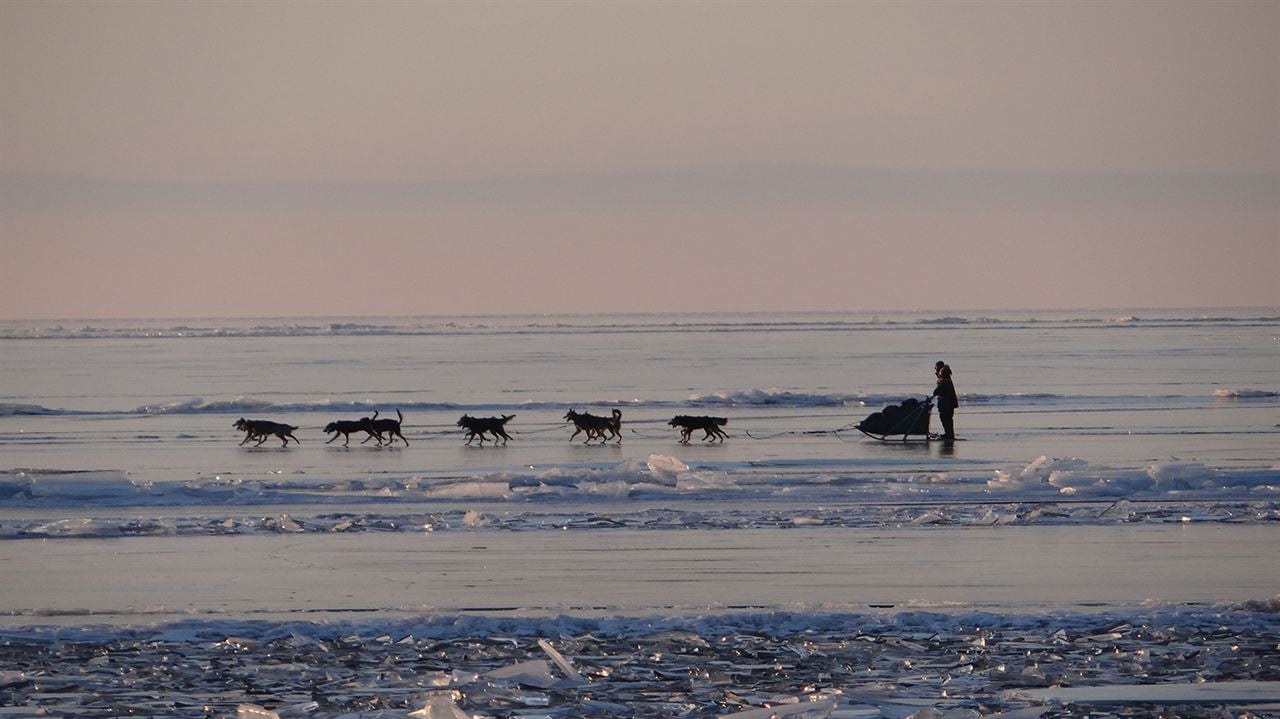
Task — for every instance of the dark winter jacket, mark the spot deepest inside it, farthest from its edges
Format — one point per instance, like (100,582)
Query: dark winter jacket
(946,394)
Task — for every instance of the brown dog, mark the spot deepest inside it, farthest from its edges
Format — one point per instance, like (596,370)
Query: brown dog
(595,427)
(345,427)
(390,426)
(710,425)
(478,426)
(262,430)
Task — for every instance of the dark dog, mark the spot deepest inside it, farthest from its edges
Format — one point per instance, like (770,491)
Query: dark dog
(345,427)
(710,425)
(614,424)
(390,426)
(582,423)
(262,430)
(595,427)
(592,425)
(477,426)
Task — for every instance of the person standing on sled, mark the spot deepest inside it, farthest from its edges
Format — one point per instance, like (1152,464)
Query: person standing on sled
(947,400)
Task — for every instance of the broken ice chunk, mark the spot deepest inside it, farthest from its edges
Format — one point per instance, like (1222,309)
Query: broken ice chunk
(533,673)
(80,485)
(994,518)
(458,677)
(666,463)
(439,708)
(474,519)
(1231,692)
(1026,713)
(665,469)
(285,523)
(1182,475)
(561,662)
(800,710)
(253,711)
(1120,509)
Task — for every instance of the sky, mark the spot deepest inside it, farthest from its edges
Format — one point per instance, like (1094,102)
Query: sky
(242,159)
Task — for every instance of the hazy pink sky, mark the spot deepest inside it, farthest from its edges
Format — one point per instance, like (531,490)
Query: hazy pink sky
(279,158)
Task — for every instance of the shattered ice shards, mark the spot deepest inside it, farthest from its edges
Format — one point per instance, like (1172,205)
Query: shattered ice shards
(439,708)
(1204,662)
(799,709)
(1121,509)
(570,673)
(532,673)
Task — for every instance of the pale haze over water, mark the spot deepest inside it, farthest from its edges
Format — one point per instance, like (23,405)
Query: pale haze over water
(279,159)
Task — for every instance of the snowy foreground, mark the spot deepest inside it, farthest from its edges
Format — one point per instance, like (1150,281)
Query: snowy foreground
(1221,661)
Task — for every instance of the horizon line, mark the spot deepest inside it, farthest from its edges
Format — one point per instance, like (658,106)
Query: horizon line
(635,313)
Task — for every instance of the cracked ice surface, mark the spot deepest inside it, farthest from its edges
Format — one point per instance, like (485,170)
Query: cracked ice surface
(1194,662)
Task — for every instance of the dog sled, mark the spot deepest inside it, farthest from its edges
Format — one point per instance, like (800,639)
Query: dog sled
(905,421)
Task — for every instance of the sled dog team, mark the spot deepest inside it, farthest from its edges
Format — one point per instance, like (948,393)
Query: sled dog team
(386,430)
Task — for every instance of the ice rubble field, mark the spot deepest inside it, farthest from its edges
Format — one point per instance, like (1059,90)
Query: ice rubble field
(939,514)
(1045,491)
(1160,661)
(1153,662)
(658,476)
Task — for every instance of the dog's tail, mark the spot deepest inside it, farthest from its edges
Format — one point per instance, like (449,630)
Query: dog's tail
(399,415)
